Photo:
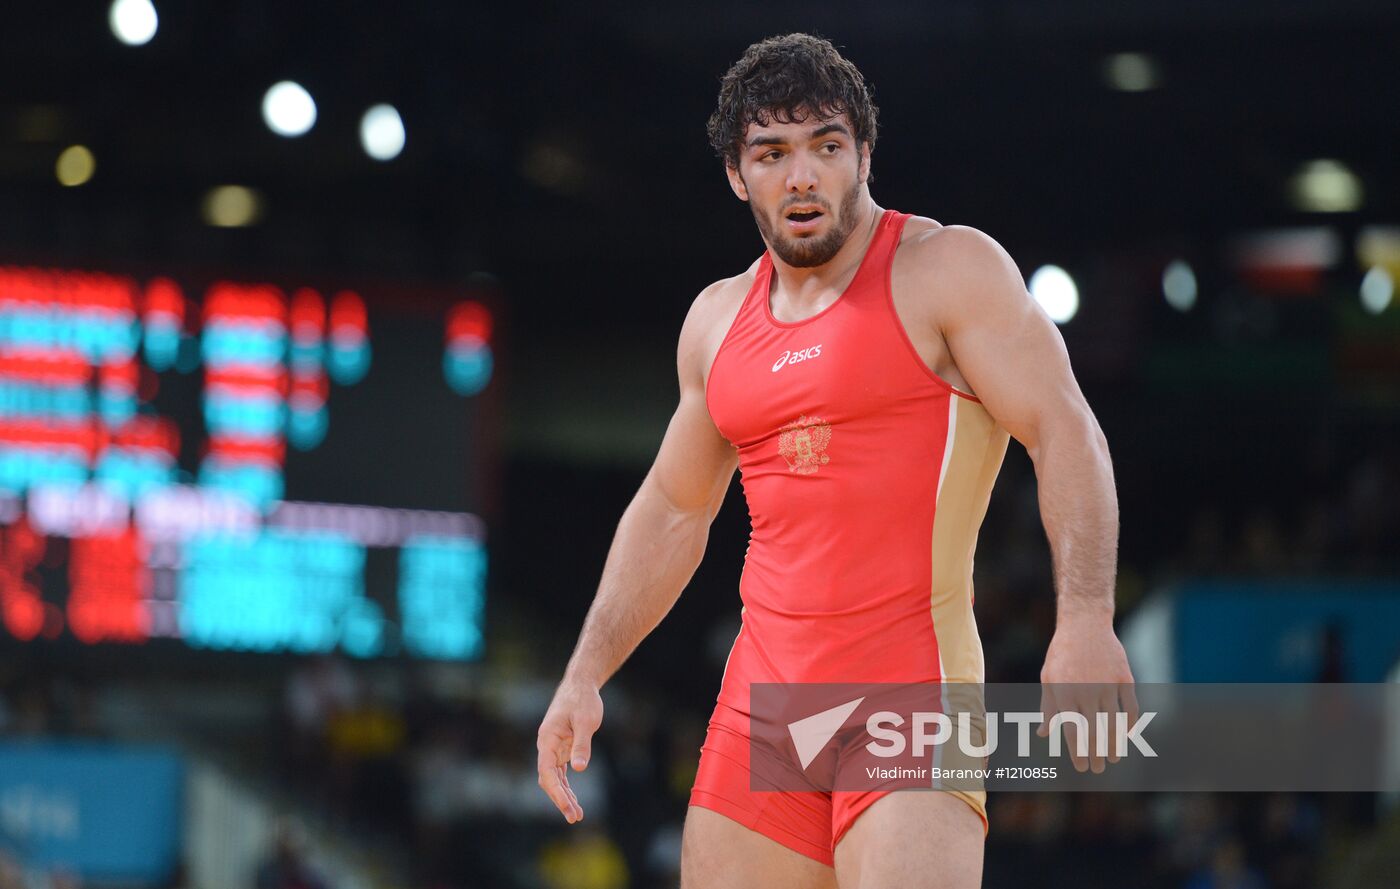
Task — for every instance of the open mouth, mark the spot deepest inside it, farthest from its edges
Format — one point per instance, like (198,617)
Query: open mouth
(801,219)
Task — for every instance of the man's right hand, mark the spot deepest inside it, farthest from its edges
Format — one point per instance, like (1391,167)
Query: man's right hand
(566,737)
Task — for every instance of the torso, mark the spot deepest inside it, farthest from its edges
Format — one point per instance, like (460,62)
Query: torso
(866,473)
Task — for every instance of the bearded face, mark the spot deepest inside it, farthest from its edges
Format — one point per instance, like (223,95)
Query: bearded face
(803,182)
(802,247)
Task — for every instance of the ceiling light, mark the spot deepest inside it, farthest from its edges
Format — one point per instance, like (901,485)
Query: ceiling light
(1326,186)
(134,22)
(289,109)
(75,165)
(1131,72)
(1054,289)
(381,132)
(232,206)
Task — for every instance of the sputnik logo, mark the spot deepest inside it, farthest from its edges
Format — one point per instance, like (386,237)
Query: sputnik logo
(811,734)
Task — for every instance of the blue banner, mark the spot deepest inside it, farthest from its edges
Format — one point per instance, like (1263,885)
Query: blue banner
(103,811)
(1287,630)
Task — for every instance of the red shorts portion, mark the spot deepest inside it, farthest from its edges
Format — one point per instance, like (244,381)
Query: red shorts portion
(811,823)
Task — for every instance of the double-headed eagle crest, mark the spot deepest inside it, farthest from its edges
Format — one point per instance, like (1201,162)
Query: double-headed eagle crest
(803,444)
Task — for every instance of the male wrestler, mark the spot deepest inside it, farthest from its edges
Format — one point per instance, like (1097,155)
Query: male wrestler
(864,375)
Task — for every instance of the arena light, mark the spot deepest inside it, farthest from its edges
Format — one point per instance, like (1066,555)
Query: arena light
(288,109)
(381,132)
(1377,290)
(1131,72)
(1179,285)
(134,22)
(231,206)
(1055,291)
(1326,186)
(75,165)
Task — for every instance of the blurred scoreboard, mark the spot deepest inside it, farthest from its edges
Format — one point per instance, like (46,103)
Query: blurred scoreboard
(242,466)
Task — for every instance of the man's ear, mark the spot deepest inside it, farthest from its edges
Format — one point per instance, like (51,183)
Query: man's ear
(736,182)
(863,173)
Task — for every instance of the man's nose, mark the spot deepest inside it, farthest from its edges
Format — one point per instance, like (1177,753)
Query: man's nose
(802,175)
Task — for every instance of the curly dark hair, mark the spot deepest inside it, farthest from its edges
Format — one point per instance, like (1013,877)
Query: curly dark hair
(785,79)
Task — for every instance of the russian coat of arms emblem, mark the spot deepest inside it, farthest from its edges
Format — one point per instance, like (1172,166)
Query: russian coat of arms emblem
(803,444)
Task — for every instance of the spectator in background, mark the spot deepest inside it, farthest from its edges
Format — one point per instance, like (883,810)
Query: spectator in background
(62,878)
(1228,870)
(287,867)
(1289,841)
(316,692)
(366,749)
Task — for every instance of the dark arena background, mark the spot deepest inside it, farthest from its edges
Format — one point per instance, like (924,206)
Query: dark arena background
(334,339)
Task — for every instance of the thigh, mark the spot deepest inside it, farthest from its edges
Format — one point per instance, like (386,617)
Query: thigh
(921,839)
(736,837)
(720,853)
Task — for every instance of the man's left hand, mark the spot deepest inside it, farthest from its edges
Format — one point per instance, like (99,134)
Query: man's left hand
(1086,671)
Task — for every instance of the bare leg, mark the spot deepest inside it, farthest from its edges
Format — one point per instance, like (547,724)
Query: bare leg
(720,853)
(913,840)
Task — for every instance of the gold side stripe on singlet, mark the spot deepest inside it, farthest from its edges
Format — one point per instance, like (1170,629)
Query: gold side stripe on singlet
(971,460)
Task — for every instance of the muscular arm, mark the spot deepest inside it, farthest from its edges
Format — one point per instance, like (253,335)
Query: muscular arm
(1013,357)
(657,547)
(1015,360)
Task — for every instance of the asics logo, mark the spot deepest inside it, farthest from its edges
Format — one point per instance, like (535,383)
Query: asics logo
(791,357)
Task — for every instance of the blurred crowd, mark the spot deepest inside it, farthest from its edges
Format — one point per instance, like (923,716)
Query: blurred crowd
(451,774)
(14,875)
(1337,520)
(36,703)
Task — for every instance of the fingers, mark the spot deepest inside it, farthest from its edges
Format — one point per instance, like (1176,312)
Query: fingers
(1110,707)
(1125,698)
(1070,727)
(1047,709)
(1062,698)
(566,738)
(563,775)
(553,778)
(1103,722)
(1122,700)
(1128,693)
(1097,703)
(583,745)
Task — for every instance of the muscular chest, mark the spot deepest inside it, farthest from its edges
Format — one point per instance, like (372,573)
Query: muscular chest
(836,368)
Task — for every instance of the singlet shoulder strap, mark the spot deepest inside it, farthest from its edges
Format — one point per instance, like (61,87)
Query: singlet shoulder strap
(758,290)
(879,255)
(886,240)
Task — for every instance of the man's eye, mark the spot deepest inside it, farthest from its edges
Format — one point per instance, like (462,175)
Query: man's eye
(772,155)
(832,146)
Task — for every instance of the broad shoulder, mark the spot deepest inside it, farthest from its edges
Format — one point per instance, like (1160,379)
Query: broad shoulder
(930,248)
(956,267)
(710,316)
